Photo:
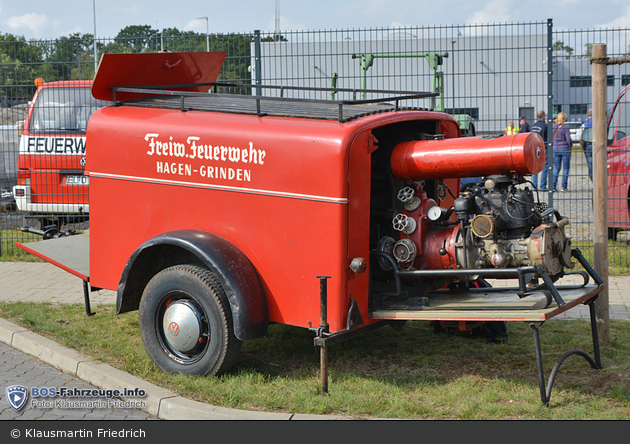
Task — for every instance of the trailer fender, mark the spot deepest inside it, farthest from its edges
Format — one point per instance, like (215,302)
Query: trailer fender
(234,270)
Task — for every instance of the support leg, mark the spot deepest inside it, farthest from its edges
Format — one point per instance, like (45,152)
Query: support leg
(545,394)
(324,369)
(539,364)
(591,308)
(86,297)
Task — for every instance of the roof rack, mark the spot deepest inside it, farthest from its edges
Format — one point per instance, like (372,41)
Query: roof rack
(342,110)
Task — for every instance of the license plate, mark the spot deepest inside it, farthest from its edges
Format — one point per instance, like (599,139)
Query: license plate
(77,180)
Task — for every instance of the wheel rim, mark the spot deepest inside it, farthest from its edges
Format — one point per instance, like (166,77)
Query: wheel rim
(182,328)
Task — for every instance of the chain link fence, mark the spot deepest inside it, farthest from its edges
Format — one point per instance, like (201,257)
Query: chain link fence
(486,75)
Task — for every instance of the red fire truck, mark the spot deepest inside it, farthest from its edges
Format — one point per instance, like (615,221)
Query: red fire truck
(337,216)
(51,184)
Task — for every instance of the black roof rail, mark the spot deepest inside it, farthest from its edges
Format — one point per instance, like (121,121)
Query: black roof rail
(167,96)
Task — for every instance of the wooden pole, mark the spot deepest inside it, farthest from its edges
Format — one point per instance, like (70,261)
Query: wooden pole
(600,189)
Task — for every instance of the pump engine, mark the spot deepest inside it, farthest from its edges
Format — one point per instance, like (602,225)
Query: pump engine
(494,224)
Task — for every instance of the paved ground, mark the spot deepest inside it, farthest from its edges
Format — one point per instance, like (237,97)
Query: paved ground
(43,282)
(17,368)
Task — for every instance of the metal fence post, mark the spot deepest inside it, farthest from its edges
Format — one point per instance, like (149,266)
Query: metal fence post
(600,189)
(549,141)
(257,61)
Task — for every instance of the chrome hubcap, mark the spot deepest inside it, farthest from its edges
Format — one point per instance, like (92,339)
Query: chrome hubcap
(182,326)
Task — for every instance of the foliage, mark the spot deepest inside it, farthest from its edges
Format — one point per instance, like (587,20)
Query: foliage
(275,38)
(71,57)
(11,74)
(559,46)
(134,39)
(16,60)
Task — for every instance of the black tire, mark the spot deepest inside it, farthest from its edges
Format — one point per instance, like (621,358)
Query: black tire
(196,292)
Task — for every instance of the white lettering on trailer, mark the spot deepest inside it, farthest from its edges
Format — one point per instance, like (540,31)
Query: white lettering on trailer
(191,150)
(162,148)
(233,154)
(238,174)
(180,169)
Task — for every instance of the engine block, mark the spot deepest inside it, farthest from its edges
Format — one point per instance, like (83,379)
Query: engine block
(493,224)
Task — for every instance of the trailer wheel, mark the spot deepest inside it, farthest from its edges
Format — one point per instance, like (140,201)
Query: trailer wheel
(186,322)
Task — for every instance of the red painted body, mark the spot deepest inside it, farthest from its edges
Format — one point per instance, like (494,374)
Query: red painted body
(299,197)
(292,194)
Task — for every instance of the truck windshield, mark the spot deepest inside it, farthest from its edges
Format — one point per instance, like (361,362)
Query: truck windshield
(59,110)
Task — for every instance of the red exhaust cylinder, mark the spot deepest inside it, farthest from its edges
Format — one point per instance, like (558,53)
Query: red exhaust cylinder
(469,157)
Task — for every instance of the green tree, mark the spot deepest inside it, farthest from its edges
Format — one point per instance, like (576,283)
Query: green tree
(72,57)
(559,46)
(16,79)
(18,61)
(17,48)
(274,38)
(134,39)
(235,68)
(175,40)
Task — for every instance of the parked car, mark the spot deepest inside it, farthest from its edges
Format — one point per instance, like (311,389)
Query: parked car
(618,168)
(574,128)
(51,186)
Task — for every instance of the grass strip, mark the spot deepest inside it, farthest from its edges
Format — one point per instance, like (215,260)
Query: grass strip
(414,373)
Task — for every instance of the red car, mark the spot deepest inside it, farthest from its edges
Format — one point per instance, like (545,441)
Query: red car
(619,165)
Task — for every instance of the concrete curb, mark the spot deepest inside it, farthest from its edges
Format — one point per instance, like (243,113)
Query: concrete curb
(160,402)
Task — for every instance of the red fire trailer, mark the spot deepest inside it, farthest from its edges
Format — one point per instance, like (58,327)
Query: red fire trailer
(236,211)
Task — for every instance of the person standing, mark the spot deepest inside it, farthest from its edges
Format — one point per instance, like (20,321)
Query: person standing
(540,128)
(510,129)
(524,126)
(562,144)
(587,147)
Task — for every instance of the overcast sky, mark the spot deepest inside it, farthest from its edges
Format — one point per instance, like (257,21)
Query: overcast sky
(47,19)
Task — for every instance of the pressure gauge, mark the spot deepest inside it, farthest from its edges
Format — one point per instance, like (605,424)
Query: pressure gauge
(436,213)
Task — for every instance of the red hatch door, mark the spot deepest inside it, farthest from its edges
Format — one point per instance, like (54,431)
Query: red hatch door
(156,69)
